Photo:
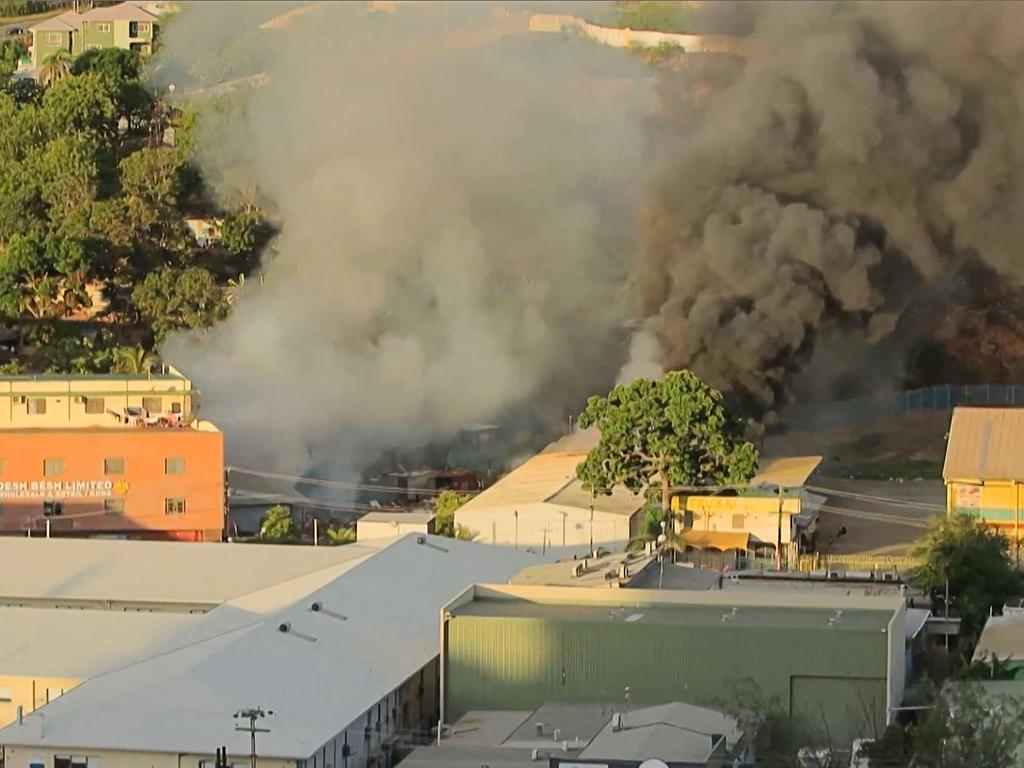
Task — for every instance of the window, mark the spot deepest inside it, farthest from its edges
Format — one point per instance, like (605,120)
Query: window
(95,405)
(737,521)
(52,467)
(174,506)
(174,465)
(102,26)
(53,38)
(5,693)
(93,47)
(113,466)
(113,506)
(75,761)
(37,406)
(175,407)
(53,508)
(152,404)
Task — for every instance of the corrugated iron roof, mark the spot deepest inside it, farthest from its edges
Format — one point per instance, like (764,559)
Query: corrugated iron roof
(1003,637)
(789,472)
(985,444)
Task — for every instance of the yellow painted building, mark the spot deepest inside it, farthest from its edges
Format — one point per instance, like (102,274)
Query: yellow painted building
(65,401)
(984,467)
(768,514)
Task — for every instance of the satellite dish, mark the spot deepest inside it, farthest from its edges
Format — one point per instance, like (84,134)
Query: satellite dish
(654,764)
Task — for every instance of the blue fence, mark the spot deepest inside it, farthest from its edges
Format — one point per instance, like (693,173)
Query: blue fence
(940,398)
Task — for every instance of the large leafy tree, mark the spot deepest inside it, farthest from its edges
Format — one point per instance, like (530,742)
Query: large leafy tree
(976,560)
(175,298)
(81,104)
(672,432)
(446,502)
(278,525)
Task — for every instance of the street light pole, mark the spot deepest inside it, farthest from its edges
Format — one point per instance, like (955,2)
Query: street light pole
(252,714)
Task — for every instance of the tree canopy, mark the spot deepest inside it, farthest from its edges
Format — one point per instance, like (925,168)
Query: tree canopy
(278,525)
(661,434)
(446,502)
(976,560)
(92,204)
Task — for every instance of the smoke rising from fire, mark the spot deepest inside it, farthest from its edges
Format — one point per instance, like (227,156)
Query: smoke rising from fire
(457,209)
(861,155)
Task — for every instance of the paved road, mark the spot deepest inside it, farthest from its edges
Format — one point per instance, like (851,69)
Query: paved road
(878,515)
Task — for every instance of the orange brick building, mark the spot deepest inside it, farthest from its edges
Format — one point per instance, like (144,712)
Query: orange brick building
(137,464)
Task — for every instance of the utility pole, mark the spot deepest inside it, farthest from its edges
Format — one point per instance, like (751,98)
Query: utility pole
(593,495)
(252,714)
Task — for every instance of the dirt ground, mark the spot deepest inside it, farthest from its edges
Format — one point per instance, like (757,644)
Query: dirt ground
(882,480)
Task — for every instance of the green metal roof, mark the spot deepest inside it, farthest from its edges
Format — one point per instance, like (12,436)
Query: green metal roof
(769,616)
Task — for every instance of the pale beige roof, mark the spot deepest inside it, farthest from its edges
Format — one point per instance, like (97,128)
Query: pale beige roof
(411,518)
(1002,636)
(985,444)
(66,21)
(120,12)
(550,477)
(789,472)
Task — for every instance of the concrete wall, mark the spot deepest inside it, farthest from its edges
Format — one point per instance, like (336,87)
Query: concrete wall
(756,515)
(628,38)
(24,757)
(86,490)
(42,46)
(30,693)
(66,400)
(542,522)
(998,503)
(367,530)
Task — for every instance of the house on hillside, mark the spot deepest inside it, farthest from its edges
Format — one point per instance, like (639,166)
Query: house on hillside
(126,25)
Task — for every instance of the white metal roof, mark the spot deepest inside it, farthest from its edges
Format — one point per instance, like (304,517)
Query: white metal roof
(154,572)
(318,678)
(81,644)
(1003,636)
(672,733)
(550,477)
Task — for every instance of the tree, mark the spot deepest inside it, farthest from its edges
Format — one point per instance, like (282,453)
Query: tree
(81,104)
(171,298)
(968,728)
(134,360)
(674,432)
(242,231)
(445,504)
(339,536)
(56,67)
(11,52)
(653,524)
(278,525)
(114,63)
(976,561)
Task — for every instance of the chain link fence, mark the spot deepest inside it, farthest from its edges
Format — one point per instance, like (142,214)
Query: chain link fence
(939,398)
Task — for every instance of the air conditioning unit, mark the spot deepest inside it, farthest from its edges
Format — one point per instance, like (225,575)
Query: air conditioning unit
(890,576)
(835,575)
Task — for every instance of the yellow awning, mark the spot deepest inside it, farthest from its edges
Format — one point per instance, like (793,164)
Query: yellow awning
(720,540)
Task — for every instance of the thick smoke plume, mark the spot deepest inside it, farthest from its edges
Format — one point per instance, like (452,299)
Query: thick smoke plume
(456,199)
(859,157)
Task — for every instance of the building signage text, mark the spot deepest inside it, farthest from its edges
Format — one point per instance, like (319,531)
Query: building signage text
(56,489)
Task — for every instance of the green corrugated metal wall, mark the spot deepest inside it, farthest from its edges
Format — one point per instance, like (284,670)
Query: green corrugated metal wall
(517,663)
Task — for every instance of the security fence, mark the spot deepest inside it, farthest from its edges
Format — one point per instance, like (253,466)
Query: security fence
(938,398)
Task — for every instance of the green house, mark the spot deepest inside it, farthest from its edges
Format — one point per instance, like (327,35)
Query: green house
(834,663)
(126,25)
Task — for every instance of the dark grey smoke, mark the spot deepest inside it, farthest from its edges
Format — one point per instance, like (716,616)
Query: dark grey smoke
(857,160)
(457,199)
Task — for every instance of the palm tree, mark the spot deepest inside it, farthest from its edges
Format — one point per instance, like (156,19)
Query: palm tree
(653,526)
(133,360)
(55,67)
